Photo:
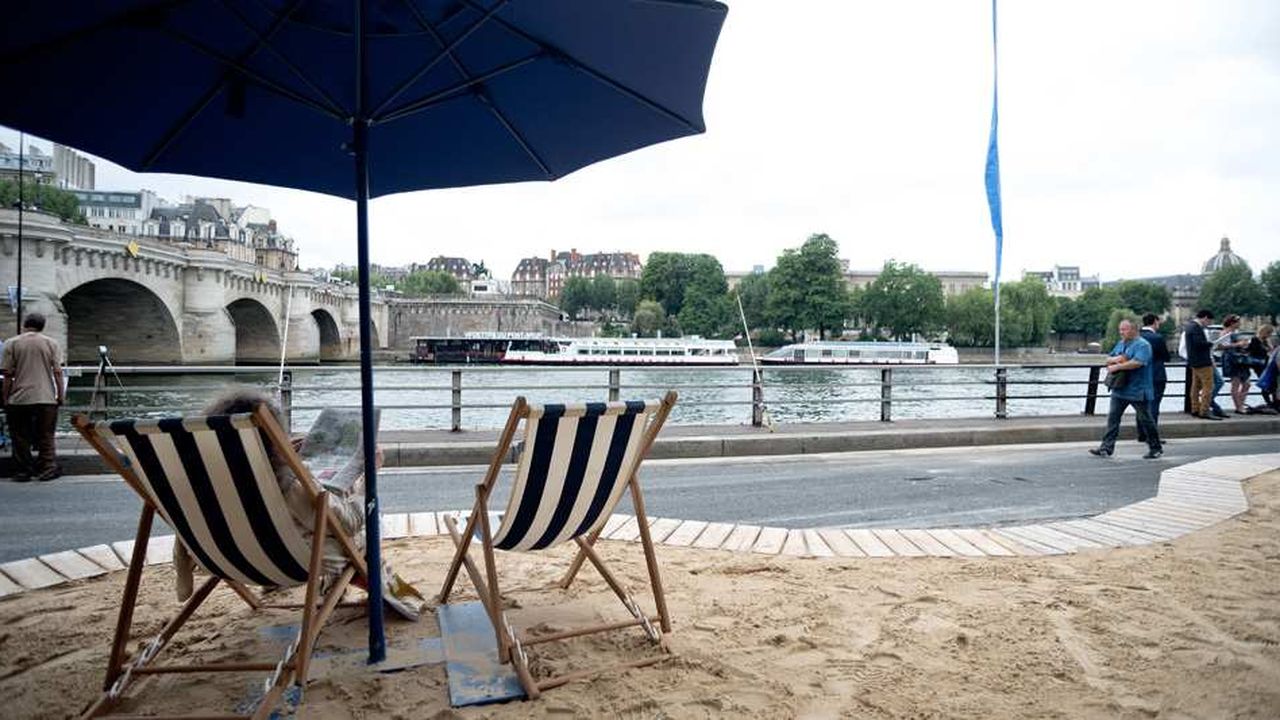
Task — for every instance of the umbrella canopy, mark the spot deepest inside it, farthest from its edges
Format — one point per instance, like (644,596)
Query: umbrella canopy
(358,98)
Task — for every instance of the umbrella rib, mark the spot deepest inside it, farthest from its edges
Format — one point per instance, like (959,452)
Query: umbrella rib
(596,74)
(436,98)
(483,96)
(435,60)
(334,105)
(190,116)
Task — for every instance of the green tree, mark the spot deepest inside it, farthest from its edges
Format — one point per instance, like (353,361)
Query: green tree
(1144,297)
(628,297)
(47,198)
(1271,286)
(806,288)
(663,280)
(429,282)
(1232,289)
(753,291)
(649,318)
(604,293)
(575,296)
(904,300)
(376,280)
(1026,313)
(1088,313)
(970,318)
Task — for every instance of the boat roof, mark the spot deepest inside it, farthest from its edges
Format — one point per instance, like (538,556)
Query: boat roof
(865,344)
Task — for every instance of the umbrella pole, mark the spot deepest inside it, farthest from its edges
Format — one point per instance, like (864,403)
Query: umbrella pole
(372,517)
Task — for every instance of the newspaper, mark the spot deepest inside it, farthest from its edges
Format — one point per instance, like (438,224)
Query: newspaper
(332,448)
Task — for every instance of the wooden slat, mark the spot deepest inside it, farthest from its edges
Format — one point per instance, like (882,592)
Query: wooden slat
(660,528)
(1127,524)
(72,565)
(1079,543)
(714,535)
(684,535)
(614,522)
(898,543)
(840,543)
(742,538)
(31,574)
(1013,544)
(1100,533)
(423,524)
(957,544)
(1190,511)
(868,543)
(627,531)
(103,556)
(794,544)
(1155,520)
(1033,533)
(1233,505)
(817,547)
(983,542)
(8,587)
(770,541)
(395,526)
(926,542)
(1005,534)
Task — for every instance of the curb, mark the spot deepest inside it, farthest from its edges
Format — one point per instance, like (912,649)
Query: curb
(1189,497)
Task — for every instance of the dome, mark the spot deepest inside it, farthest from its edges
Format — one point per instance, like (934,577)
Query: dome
(1223,258)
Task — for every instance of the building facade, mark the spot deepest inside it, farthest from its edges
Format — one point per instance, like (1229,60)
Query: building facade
(460,268)
(545,277)
(74,171)
(1064,280)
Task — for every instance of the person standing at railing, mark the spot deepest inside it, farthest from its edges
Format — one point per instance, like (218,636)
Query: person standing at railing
(32,392)
(1233,347)
(1159,356)
(1199,355)
(1130,365)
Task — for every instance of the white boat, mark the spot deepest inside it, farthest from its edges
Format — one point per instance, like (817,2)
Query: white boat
(627,351)
(835,352)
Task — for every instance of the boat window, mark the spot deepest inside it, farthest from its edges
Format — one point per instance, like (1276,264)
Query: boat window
(855,353)
(697,351)
(826,352)
(583,351)
(630,351)
(613,351)
(797,355)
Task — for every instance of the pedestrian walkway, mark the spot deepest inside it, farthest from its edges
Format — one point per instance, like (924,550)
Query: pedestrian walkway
(1189,497)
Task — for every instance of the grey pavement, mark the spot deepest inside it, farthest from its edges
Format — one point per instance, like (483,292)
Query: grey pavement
(931,487)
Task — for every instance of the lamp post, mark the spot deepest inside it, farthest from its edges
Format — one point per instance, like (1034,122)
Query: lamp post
(22,161)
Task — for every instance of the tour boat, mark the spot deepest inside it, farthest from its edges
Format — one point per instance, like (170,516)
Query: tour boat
(627,351)
(539,349)
(834,352)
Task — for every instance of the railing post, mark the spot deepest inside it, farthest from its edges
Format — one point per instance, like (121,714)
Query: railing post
(1002,393)
(1186,388)
(886,394)
(757,398)
(286,399)
(615,384)
(455,423)
(1091,397)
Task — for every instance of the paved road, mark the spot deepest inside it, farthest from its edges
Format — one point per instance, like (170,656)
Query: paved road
(903,488)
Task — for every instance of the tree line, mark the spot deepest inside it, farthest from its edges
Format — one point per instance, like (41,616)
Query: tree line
(806,294)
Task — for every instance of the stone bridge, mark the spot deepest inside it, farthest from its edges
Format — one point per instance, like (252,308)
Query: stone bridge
(172,304)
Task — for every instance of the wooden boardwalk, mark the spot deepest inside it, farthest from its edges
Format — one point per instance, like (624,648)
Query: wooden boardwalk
(1189,497)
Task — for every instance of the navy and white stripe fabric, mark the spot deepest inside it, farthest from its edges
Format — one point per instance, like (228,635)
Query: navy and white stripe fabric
(212,481)
(575,465)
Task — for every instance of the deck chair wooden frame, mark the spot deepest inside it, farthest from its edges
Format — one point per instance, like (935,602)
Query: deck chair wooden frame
(511,645)
(124,671)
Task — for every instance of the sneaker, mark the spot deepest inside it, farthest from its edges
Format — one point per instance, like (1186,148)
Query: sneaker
(1100,452)
(1153,454)
(1210,417)
(21,477)
(50,474)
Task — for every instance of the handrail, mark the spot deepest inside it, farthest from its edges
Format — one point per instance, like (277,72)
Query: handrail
(707,387)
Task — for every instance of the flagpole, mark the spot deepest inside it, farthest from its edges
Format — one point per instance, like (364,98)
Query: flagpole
(22,201)
(993,175)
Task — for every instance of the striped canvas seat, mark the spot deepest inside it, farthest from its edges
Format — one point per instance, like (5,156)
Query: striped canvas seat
(212,481)
(574,468)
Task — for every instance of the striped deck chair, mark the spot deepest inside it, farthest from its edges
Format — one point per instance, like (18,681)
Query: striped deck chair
(211,479)
(576,462)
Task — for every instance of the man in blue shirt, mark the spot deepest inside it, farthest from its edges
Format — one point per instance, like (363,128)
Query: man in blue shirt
(1131,356)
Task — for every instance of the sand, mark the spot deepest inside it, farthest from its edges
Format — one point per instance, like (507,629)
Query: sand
(1186,629)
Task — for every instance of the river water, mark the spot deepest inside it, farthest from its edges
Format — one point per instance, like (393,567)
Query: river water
(418,397)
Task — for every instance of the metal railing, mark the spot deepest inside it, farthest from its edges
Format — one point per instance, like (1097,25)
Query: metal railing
(795,392)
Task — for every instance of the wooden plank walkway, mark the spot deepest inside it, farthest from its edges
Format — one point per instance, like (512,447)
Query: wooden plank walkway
(1189,498)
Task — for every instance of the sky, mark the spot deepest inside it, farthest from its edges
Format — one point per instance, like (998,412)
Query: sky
(1133,135)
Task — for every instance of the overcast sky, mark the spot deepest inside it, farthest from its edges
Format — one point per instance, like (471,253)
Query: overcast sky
(1133,136)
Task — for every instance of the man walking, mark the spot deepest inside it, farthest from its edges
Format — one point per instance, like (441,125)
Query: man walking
(1159,356)
(1132,357)
(1200,364)
(32,392)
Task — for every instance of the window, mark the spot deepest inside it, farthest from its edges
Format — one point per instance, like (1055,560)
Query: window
(826,352)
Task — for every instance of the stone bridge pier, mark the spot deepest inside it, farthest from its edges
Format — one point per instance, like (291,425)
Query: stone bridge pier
(172,303)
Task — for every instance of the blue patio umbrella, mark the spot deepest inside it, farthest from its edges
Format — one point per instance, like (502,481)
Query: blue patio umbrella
(358,98)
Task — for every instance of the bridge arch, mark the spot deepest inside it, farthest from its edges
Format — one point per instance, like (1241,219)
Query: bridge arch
(132,321)
(257,332)
(331,347)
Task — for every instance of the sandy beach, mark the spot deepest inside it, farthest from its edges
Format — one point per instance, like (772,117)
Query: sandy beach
(1185,629)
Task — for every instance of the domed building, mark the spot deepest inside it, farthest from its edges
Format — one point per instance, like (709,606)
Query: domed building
(1223,258)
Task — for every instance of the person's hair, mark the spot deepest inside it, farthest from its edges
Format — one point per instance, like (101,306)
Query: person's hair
(1265,331)
(239,399)
(1231,319)
(1204,314)
(1149,318)
(34,321)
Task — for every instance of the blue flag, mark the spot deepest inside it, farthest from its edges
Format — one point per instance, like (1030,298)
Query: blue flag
(993,155)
